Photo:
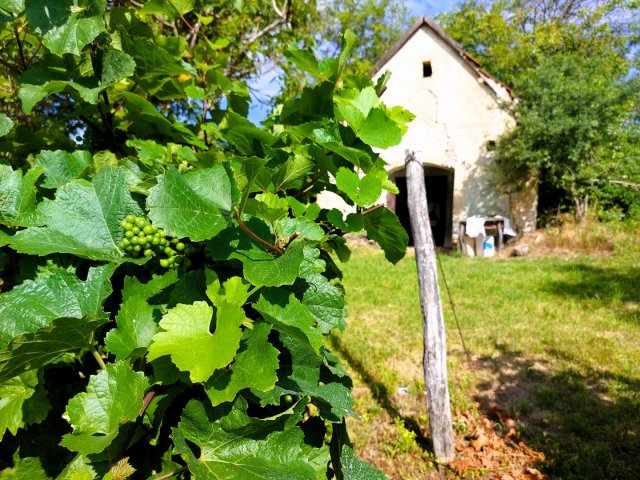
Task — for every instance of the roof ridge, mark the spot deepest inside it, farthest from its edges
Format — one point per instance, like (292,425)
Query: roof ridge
(469,59)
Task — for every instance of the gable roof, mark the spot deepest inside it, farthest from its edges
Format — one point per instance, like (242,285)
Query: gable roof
(455,46)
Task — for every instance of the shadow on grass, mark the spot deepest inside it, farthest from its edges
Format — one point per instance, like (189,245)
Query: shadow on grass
(380,393)
(588,426)
(584,281)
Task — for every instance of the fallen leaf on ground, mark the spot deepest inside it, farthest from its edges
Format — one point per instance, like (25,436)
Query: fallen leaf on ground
(479,442)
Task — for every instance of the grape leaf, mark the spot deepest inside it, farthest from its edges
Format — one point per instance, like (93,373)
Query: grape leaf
(328,136)
(196,205)
(28,468)
(146,120)
(65,27)
(354,105)
(136,319)
(60,166)
(243,134)
(12,6)
(268,207)
(54,293)
(84,219)
(134,288)
(44,79)
(149,151)
(304,227)
(362,191)
(234,446)
(13,395)
(303,379)
(151,59)
(185,336)
(355,469)
(282,309)
(35,349)
(18,196)
(292,173)
(114,397)
(136,328)
(379,130)
(383,227)
(304,59)
(247,172)
(114,65)
(324,300)
(234,290)
(353,223)
(263,269)
(191,287)
(255,366)
(260,267)
(78,469)
(6,124)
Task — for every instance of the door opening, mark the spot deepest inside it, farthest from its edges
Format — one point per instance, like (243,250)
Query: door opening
(439,184)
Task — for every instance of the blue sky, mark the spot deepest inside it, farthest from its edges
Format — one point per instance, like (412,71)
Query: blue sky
(268,85)
(430,8)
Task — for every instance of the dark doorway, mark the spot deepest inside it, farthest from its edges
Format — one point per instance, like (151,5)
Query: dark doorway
(439,183)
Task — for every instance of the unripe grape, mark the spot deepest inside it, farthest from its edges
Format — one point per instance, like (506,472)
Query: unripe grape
(164,263)
(155,241)
(141,234)
(125,242)
(137,248)
(135,240)
(179,246)
(288,398)
(123,223)
(148,229)
(135,230)
(127,226)
(148,252)
(161,232)
(169,251)
(128,234)
(140,222)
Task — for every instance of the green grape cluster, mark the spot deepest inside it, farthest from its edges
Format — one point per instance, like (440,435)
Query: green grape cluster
(143,239)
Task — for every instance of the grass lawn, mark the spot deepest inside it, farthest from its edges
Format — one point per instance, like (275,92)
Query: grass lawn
(555,342)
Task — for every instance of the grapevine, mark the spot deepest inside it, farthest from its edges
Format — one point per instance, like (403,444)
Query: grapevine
(169,280)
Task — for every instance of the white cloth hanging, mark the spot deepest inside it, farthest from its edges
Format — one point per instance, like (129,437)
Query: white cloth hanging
(475,227)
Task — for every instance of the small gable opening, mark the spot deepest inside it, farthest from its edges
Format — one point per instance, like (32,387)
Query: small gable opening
(427,71)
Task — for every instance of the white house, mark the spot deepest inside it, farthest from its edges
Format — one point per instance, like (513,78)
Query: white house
(458,120)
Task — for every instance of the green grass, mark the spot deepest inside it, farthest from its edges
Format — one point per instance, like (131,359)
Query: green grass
(556,341)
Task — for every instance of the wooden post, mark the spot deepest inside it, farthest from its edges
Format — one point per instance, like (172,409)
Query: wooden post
(435,347)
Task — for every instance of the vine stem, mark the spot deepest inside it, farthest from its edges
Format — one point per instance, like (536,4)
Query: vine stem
(145,403)
(171,474)
(97,356)
(261,241)
(372,209)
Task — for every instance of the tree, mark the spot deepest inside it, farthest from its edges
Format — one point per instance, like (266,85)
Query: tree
(571,67)
(245,38)
(570,126)
(167,277)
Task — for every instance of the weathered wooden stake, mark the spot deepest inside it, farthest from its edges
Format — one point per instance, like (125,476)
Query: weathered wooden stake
(435,346)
